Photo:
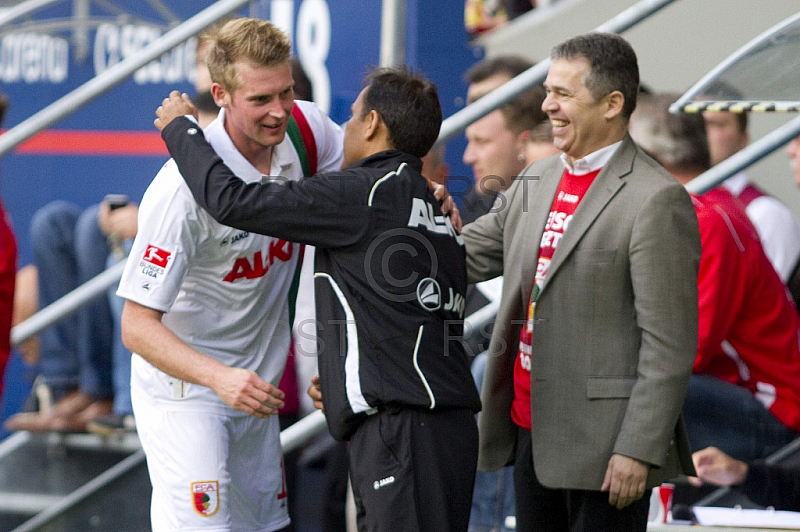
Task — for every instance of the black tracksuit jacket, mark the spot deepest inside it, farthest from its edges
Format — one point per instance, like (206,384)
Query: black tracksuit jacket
(390,274)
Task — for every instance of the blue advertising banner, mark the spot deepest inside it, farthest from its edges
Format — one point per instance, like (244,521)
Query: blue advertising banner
(110,146)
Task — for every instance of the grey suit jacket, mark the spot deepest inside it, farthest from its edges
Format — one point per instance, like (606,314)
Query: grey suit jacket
(615,330)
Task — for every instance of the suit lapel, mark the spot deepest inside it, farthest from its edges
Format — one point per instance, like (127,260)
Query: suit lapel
(605,187)
(538,200)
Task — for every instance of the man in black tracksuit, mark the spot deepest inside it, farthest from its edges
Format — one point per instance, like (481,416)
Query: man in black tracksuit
(390,279)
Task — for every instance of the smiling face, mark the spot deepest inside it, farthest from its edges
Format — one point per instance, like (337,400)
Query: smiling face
(258,112)
(581,125)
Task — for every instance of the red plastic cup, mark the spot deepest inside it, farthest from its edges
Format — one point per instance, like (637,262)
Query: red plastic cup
(665,492)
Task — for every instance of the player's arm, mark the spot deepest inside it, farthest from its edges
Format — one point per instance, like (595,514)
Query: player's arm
(484,238)
(326,210)
(145,334)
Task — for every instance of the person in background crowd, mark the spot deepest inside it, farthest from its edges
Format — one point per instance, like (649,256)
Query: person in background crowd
(8,273)
(496,143)
(776,225)
(481,16)
(594,340)
(76,384)
(744,393)
(539,144)
(26,303)
(770,485)
(207,108)
(793,152)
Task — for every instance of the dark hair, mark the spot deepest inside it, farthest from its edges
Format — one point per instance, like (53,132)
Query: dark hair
(3,107)
(204,101)
(303,90)
(612,65)
(677,141)
(524,111)
(512,65)
(408,105)
(541,132)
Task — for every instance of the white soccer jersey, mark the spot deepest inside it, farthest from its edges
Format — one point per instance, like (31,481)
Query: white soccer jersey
(224,292)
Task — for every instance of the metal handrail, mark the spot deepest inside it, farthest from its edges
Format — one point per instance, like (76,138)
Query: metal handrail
(744,158)
(95,485)
(291,438)
(68,304)
(115,75)
(22,9)
(536,74)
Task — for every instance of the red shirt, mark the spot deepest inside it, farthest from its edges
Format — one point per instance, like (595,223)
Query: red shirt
(748,324)
(570,192)
(8,272)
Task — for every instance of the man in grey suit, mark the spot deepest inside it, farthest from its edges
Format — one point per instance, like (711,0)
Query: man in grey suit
(596,334)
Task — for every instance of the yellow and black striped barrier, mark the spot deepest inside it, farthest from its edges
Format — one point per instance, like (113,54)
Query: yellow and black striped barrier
(759,106)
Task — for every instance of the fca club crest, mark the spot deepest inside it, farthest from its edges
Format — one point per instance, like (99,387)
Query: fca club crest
(205,497)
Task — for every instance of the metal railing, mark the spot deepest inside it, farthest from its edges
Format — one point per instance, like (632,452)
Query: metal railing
(115,74)
(744,158)
(450,127)
(535,75)
(22,9)
(291,438)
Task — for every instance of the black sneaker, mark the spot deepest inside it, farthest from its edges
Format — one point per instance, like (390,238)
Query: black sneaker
(112,424)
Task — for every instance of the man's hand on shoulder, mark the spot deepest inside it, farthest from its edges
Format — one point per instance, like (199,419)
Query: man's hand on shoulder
(175,105)
(624,481)
(447,203)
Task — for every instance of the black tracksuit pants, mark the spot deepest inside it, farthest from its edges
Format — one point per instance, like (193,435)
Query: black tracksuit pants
(414,470)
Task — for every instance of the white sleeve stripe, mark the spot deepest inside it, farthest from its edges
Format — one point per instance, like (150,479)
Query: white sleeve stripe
(355,396)
(419,371)
(741,365)
(733,232)
(384,178)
